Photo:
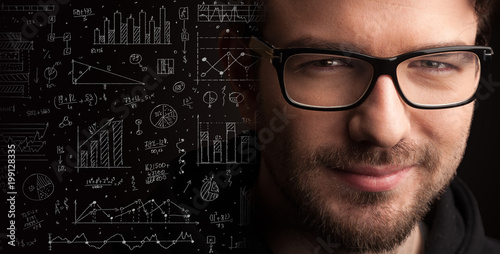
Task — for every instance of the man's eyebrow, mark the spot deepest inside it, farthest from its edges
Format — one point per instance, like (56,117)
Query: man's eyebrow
(309,42)
(438,45)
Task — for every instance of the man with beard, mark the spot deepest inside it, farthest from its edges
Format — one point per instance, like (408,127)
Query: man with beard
(377,100)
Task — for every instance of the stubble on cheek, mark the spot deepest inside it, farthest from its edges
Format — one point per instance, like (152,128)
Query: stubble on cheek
(354,219)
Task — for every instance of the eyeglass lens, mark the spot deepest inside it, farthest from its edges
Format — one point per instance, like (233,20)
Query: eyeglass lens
(327,80)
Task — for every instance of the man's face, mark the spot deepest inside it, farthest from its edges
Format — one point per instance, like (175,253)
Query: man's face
(364,176)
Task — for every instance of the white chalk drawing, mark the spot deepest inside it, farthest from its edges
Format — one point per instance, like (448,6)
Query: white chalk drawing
(85,74)
(163,116)
(133,32)
(38,187)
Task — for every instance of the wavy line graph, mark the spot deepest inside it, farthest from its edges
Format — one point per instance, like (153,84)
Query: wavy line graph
(183,153)
(28,138)
(137,212)
(119,238)
(232,13)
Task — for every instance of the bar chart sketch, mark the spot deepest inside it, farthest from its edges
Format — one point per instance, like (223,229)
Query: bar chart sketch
(103,148)
(14,69)
(134,32)
(219,142)
(165,66)
(233,13)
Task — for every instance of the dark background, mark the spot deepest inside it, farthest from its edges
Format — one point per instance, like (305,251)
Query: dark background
(480,168)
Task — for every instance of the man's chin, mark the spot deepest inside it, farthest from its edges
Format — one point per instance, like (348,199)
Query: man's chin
(372,228)
(360,221)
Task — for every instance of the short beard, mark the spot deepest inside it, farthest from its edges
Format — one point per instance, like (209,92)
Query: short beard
(382,227)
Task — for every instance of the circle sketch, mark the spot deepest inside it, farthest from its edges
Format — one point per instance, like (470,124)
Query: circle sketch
(236,98)
(209,189)
(163,116)
(210,98)
(50,73)
(179,86)
(135,59)
(38,187)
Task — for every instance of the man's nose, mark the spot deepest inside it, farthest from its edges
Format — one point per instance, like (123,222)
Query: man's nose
(382,119)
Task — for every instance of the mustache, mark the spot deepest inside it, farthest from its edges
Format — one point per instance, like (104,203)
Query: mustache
(404,153)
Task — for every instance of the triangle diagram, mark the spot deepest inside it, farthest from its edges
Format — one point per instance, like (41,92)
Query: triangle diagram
(84,74)
(214,188)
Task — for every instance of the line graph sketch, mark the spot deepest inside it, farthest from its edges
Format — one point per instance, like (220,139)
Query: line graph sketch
(137,212)
(29,139)
(119,238)
(213,68)
(233,13)
(85,74)
(183,152)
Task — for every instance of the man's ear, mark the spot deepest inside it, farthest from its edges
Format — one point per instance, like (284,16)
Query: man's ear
(239,61)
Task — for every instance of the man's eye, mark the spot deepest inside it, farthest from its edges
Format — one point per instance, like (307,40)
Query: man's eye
(429,64)
(317,63)
(433,64)
(329,63)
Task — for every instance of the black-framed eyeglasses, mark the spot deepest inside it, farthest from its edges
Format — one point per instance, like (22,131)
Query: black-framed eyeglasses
(333,80)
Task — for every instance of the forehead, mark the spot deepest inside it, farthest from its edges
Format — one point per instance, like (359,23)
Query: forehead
(377,27)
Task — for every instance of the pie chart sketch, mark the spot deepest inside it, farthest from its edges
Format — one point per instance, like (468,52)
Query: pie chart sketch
(163,116)
(38,187)
(210,98)
(209,189)
(50,73)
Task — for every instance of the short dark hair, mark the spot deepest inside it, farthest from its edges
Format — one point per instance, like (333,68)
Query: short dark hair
(484,11)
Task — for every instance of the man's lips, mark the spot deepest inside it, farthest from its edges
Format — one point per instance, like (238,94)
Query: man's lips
(372,179)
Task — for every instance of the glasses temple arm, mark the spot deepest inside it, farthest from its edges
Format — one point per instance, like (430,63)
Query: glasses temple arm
(262,48)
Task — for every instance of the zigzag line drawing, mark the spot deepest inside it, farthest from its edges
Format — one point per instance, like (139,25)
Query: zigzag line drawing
(119,238)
